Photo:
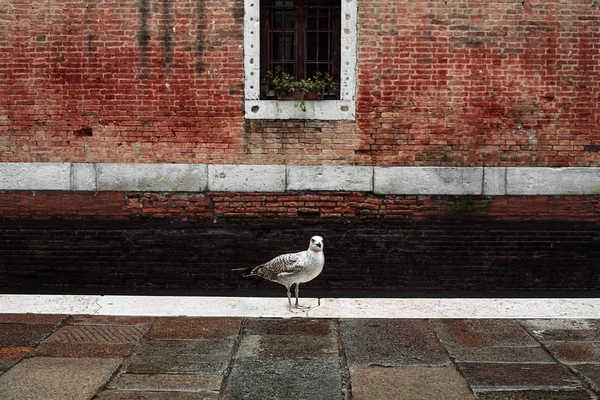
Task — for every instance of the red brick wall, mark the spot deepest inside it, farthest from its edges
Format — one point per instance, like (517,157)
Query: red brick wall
(439,83)
(134,81)
(480,82)
(314,205)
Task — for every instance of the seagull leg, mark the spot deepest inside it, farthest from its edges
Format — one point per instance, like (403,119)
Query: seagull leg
(298,306)
(289,296)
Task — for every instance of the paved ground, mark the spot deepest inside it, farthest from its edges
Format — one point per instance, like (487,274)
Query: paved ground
(108,358)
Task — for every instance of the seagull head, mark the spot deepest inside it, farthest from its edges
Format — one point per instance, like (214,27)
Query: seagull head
(316,243)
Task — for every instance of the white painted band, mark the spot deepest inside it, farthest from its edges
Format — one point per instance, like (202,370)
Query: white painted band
(164,306)
(493,181)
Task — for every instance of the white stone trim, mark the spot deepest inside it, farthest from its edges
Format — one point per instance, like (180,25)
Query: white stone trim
(277,307)
(35,176)
(330,177)
(490,181)
(343,109)
(246,178)
(151,177)
(428,180)
(547,181)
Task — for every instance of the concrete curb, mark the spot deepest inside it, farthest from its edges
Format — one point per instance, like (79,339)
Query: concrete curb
(164,306)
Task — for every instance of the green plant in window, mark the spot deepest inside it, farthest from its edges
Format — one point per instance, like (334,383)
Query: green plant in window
(287,87)
(282,81)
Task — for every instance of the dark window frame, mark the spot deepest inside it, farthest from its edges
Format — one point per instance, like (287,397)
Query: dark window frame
(307,36)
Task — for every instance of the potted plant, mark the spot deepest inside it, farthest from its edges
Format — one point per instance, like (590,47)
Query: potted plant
(286,87)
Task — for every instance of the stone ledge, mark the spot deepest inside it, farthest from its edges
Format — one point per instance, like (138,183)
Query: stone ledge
(330,177)
(246,178)
(325,110)
(552,181)
(35,176)
(488,181)
(151,177)
(428,180)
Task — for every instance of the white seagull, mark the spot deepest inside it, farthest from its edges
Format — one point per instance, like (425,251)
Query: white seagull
(292,268)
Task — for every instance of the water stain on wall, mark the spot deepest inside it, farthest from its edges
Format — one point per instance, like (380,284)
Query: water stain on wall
(144,37)
(167,36)
(201,28)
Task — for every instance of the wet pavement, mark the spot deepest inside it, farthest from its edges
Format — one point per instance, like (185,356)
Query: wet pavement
(111,357)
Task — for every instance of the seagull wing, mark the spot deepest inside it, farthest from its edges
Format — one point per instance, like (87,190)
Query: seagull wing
(283,264)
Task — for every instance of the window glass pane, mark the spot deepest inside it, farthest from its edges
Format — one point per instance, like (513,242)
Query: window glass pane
(283,19)
(324,43)
(324,20)
(311,20)
(323,68)
(282,47)
(311,46)
(288,68)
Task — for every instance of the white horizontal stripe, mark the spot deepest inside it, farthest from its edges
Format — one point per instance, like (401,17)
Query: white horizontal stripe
(430,180)
(164,306)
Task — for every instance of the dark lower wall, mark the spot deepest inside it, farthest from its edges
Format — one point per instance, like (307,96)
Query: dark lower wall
(462,252)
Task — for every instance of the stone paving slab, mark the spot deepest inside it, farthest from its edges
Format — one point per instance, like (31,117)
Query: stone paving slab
(408,383)
(474,333)
(563,329)
(175,364)
(300,358)
(276,379)
(591,375)
(167,382)
(288,346)
(83,334)
(535,395)
(149,395)
(195,328)
(108,320)
(213,349)
(488,376)
(14,352)
(5,364)
(56,378)
(22,335)
(501,354)
(55,349)
(295,326)
(391,342)
(575,352)
(40,319)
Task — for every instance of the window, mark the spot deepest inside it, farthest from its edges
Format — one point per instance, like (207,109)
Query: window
(301,37)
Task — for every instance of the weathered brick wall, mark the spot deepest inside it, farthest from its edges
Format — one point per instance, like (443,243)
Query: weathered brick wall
(319,206)
(54,241)
(133,81)
(478,82)
(439,83)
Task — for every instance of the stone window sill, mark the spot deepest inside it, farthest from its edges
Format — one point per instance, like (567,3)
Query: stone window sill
(317,110)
